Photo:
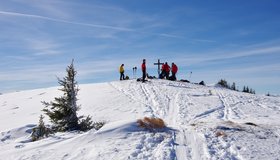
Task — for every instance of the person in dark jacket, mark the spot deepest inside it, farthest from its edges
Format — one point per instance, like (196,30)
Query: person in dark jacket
(144,70)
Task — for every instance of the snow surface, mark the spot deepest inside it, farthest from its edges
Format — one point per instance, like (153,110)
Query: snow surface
(223,125)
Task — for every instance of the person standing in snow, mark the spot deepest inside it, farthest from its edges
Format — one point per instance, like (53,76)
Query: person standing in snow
(143,70)
(166,69)
(174,70)
(122,72)
(162,74)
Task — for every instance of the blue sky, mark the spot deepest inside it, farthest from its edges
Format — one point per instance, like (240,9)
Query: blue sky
(235,40)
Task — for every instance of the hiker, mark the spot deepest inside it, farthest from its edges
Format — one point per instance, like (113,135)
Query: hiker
(174,70)
(162,74)
(144,70)
(166,70)
(122,72)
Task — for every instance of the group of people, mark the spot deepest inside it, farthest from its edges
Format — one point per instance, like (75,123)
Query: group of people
(165,71)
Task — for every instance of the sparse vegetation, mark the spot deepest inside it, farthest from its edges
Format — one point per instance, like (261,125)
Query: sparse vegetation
(223,83)
(151,123)
(98,125)
(233,87)
(41,131)
(248,90)
(220,134)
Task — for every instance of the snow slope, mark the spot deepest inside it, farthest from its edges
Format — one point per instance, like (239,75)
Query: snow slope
(222,125)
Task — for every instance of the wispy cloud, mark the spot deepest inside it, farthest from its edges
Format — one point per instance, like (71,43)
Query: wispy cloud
(63,21)
(34,73)
(89,24)
(254,51)
(221,55)
(204,40)
(43,47)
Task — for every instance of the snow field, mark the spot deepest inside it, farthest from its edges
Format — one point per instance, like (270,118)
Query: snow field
(223,125)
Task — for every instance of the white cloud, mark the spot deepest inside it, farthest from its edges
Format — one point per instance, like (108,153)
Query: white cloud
(42,46)
(204,58)
(125,29)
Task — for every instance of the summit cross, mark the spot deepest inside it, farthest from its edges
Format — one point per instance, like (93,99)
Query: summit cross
(158,64)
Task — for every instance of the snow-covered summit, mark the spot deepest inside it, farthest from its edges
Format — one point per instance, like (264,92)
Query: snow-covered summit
(202,123)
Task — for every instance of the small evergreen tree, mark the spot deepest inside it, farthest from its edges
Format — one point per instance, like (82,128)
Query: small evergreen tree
(233,87)
(223,83)
(244,89)
(40,131)
(63,111)
(247,89)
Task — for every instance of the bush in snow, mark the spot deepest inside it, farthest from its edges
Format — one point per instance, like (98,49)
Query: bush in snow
(151,123)
(40,131)
(63,110)
(87,124)
(98,125)
(223,83)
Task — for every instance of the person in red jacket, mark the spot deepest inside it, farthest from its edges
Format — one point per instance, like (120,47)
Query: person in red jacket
(143,70)
(162,74)
(166,70)
(174,70)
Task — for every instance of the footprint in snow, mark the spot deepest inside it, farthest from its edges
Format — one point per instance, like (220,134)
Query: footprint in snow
(15,108)
(42,93)
(19,146)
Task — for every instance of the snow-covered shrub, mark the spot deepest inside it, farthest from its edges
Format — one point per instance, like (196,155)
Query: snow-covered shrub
(87,124)
(41,131)
(151,123)
(98,125)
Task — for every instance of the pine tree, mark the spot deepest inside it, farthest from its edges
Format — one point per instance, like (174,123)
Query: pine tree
(223,83)
(244,89)
(233,87)
(40,131)
(63,111)
(251,91)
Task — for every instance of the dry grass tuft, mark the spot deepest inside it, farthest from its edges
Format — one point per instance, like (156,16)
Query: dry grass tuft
(151,123)
(220,134)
